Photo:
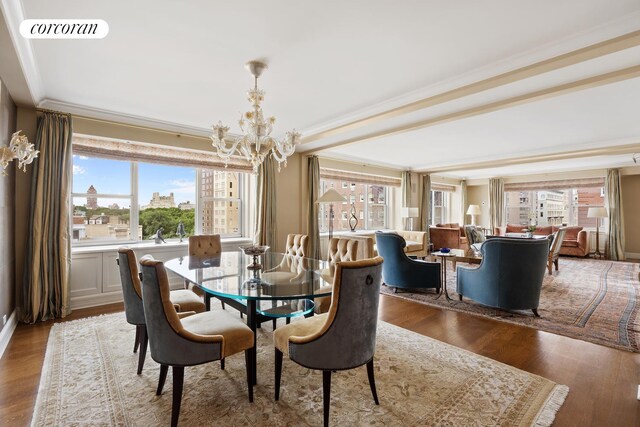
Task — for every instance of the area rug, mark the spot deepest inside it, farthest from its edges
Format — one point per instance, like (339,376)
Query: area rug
(592,300)
(89,378)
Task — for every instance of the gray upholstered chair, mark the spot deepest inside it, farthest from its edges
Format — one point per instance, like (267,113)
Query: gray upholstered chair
(197,339)
(510,275)
(554,251)
(339,250)
(475,237)
(345,337)
(183,300)
(400,271)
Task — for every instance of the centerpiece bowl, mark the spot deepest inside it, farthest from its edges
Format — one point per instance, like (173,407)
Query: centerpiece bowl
(255,251)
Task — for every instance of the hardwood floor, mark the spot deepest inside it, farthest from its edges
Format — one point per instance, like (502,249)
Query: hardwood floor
(603,381)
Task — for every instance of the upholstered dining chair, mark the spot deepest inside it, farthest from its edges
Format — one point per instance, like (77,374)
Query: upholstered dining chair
(297,245)
(510,275)
(554,251)
(184,300)
(194,340)
(400,271)
(203,246)
(344,337)
(339,250)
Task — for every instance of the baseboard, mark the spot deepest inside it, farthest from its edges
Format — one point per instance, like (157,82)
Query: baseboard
(7,331)
(632,255)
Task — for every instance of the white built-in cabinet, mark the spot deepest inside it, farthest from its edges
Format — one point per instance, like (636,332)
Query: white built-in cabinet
(95,278)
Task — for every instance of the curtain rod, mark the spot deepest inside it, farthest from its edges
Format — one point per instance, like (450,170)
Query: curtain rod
(111,122)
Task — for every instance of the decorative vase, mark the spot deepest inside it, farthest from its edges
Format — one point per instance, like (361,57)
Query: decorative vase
(353,221)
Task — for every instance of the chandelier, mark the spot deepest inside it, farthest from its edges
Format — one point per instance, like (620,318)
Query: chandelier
(256,142)
(19,148)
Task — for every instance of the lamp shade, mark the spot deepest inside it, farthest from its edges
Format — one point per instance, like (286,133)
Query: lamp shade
(473,210)
(331,196)
(597,213)
(409,212)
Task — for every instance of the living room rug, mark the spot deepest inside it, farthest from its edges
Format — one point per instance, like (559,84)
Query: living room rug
(88,378)
(592,300)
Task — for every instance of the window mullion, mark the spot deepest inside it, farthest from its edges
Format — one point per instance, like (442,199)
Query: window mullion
(134,211)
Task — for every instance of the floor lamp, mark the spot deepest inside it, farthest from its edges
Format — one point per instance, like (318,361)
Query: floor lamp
(331,196)
(597,213)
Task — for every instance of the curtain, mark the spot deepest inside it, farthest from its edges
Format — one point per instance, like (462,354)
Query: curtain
(496,202)
(463,201)
(425,204)
(45,288)
(266,233)
(405,188)
(313,228)
(616,220)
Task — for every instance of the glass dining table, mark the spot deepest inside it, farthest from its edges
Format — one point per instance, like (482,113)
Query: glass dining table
(280,288)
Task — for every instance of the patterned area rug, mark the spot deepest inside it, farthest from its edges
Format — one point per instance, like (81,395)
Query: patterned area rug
(89,378)
(592,300)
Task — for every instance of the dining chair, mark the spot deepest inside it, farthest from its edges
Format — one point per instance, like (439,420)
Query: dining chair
(194,340)
(339,250)
(554,251)
(183,300)
(203,246)
(297,245)
(344,337)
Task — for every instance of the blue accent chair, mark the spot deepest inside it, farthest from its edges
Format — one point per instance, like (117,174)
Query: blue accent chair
(400,271)
(510,275)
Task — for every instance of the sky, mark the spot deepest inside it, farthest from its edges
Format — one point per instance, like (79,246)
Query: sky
(114,177)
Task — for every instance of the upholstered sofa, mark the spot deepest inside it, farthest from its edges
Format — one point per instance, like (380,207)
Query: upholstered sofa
(448,236)
(575,241)
(416,243)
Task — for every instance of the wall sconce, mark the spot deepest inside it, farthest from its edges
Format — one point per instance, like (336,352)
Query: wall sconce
(19,148)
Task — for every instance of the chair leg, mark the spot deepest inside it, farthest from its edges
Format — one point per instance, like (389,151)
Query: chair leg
(163,377)
(137,343)
(222,302)
(278,370)
(274,324)
(249,367)
(326,395)
(372,381)
(144,340)
(288,320)
(460,297)
(178,381)
(549,264)
(556,263)
(535,312)
(222,363)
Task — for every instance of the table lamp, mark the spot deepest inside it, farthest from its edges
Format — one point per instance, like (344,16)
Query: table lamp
(597,213)
(473,210)
(331,196)
(410,213)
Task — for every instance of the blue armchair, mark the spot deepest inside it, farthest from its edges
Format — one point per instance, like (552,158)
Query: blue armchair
(400,271)
(510,275)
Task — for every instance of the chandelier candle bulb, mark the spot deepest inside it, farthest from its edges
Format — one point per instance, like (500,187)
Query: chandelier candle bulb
(256,142)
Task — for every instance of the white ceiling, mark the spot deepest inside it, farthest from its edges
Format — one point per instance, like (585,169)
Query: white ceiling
(180,65)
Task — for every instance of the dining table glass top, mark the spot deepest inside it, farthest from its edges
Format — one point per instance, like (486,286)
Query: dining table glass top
(282,276)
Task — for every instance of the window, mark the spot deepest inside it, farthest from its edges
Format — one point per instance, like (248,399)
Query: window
(439,206)
(116,200)
(374,209)
(567,207)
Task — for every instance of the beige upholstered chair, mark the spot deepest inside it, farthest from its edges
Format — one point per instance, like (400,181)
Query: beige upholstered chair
(203,246)
(339,250)
(297,245)
(554,251)
(194,340)
(345,337)
(183,300)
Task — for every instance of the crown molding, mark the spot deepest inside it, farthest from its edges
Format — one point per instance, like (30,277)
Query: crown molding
(13,16)
(107,116)
(617,35)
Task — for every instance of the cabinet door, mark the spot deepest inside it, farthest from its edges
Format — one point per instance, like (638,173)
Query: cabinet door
(110,273)
(86,274)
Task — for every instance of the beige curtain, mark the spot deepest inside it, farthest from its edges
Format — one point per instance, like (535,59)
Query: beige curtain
(616,220)
(266,233)
(496,202)
(463,201)
(313,228)
(405,188)
(424,208)
(45,288)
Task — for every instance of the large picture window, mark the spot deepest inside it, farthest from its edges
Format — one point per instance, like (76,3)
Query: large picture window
(370,202)
(116,200)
